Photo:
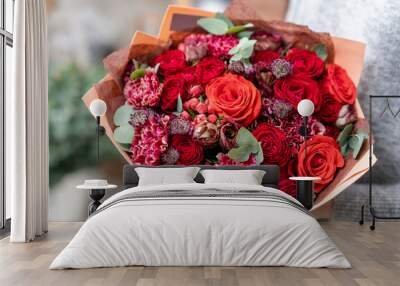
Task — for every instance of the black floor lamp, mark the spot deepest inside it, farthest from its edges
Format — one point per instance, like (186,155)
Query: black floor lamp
(98,108)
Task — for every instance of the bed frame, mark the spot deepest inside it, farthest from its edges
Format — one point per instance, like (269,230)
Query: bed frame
(271,177)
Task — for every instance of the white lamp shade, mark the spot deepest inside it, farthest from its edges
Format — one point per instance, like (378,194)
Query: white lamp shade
(305,107)
(98,107)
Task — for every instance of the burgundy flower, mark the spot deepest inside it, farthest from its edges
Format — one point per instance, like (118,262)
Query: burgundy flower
(227,134)
(266,41)
(266,57)
(190,151)
(209,68)
(219,46)
(206,133)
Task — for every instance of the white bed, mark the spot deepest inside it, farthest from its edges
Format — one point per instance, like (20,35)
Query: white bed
(201,230)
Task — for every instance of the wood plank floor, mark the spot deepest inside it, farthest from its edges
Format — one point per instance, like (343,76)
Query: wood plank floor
(375,257)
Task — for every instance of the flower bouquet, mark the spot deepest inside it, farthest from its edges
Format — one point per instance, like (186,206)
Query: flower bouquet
(223,89)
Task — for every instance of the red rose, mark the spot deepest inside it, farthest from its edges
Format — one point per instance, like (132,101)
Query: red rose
(235,98)
(273,141)
(266,56)
(190,152)
(330,108)
(209,68)
(173,86)
(338,83)
(323,159)
(170,62)
(295,88)
(305,63)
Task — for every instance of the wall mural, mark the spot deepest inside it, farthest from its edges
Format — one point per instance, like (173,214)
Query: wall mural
(225,92)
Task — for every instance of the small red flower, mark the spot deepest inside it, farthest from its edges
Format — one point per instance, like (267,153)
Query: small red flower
(190,152)
(266,56)
(209,68)
(338,83)
(170,62)
(305,63)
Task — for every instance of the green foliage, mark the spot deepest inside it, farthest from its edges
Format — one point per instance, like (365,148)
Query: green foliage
(247,145)
(123,115)
(348,141)
(72,129)
(242,51)
(214,26)
(179,105)
(321,51)
(137,73)
(124,134)
(221,25)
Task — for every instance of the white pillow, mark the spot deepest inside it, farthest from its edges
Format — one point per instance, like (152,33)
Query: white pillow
(248,177)
(166,176)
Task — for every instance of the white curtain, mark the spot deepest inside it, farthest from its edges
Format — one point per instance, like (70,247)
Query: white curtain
(26,124)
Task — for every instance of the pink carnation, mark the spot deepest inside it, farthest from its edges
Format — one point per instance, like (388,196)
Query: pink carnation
(224,160)
(144,91)
(150,140)
(219,46)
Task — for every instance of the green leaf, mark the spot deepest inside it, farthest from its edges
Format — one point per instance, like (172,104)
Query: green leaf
(240,28)
(156,68)
(123,115)
(125,147)
(222,17)
(356,141)
(246,52)
(259,155)
(245,34)
(321,51)
(234,50)
(124,134)
(344,134)
(344,149)
(246,63)
(240,154)
(237,57)
(138,73)
(246,139)
(214,26)
(179,106)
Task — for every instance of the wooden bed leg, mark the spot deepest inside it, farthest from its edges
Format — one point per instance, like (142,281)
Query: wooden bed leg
(324,213)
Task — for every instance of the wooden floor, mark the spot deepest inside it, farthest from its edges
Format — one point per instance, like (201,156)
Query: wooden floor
(375,257)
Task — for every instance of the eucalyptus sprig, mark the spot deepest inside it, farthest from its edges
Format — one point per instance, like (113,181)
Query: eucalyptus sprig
(247,145)
(221,25)
(242,51)
(124,132)
(348,140)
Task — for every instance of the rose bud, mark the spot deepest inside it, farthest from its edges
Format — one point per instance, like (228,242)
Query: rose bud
(206,133)
(186,115)
(196,90)
(192,103)
(199,118)
(212,118)
(201,108)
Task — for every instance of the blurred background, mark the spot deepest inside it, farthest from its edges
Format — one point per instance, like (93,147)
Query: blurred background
(81,33)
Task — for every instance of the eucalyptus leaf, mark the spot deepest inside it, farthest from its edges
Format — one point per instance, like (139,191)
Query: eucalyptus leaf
(214,26)
(137,73)
(321,51)
(356,142)
(241,154)
(234,50)
(124,134)
(125,147)
(245,137)
(259,155)
(237,57)
(344,149)
(123,115)
(222,17)
(238,29)
(344,134)
(179,106)
(246,52)
(245,34)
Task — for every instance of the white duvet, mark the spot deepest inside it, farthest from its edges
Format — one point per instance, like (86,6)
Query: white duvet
(200,231)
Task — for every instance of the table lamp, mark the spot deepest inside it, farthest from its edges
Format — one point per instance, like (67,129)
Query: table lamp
(98,108)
